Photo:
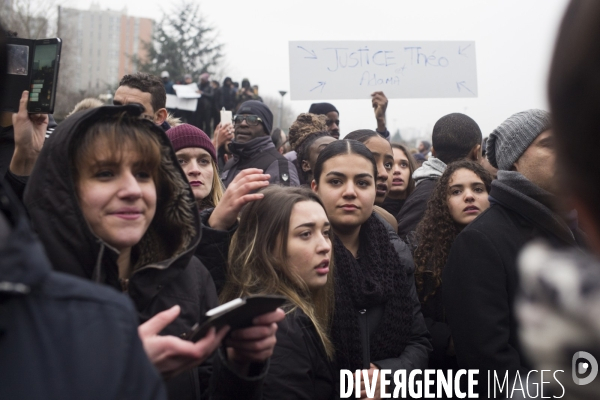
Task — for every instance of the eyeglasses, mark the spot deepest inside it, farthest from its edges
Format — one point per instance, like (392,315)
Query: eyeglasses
(330,122)
(251,120)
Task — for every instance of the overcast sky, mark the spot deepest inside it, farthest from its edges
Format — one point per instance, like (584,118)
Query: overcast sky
(514,41)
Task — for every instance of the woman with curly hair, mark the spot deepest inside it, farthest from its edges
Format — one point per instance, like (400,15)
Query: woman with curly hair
(460,195)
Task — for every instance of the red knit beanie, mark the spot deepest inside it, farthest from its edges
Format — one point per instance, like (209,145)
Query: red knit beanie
(186,135)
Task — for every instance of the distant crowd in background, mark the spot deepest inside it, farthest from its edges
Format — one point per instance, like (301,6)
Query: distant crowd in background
(214,98)
(123,225)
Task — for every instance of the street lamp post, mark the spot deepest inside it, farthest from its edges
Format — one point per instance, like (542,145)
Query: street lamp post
(282,93)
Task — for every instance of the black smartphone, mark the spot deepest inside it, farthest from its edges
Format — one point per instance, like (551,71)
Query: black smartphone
(237,313)
(44,76)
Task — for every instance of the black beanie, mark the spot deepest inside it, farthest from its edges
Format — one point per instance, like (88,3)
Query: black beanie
(258,108)
(322,108)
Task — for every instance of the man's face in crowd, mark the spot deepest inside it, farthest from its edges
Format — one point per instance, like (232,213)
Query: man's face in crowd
(421,147)
(188,80)
(245,132)
(333,124)
(538,163)
(127,95)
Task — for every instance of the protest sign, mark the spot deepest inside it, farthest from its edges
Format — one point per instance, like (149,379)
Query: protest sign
(321,70)
(186,98)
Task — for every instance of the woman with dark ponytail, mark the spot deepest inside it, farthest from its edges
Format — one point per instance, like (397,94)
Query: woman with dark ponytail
(377,322)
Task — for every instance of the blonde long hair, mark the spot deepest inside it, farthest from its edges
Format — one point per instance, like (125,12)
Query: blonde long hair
(257,257)
(216,193)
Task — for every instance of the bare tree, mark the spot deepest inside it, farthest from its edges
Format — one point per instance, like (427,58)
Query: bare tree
(31,19)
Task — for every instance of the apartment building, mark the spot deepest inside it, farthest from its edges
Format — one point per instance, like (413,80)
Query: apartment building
(98,46)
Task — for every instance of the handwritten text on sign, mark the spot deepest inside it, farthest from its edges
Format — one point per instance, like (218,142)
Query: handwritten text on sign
(354,70)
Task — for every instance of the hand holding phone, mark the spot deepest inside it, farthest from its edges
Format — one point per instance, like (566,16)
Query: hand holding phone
(170,354)
(236,314)
(29,136)
(254,344)
(226,116)
(44,76)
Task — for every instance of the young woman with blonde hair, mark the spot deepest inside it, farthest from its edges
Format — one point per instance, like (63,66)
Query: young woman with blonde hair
(283,247)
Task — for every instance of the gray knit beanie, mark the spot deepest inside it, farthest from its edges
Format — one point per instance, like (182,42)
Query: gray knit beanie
(510,140)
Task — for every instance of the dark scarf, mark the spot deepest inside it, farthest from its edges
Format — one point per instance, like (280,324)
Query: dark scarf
(375,278)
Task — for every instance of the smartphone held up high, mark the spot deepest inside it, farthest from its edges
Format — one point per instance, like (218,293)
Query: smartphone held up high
(33,66)
(44,76)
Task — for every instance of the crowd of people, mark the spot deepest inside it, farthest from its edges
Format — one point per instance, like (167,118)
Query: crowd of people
(214,97)
(122,226)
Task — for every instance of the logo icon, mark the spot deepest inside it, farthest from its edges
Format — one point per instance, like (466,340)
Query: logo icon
(582,367)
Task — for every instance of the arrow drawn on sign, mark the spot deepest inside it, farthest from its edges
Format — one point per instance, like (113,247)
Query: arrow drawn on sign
(321,85)
(460,51)
(312,53)
(462,84)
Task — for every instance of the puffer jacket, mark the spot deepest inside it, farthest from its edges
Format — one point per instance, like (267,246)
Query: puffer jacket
(165,273)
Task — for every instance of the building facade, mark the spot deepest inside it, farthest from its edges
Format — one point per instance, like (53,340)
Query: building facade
(98,46)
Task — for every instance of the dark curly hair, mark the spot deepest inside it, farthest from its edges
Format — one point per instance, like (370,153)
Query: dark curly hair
(437,230)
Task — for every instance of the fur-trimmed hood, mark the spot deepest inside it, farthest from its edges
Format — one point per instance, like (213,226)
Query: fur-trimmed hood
(166,248)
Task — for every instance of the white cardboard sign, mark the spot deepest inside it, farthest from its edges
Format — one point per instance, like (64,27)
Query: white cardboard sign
(325,70)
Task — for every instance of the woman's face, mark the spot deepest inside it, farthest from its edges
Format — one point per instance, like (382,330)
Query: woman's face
(401,173)
(198,168)
(467,196)
(117,199)
(347,189)
(309,245)
(382,151)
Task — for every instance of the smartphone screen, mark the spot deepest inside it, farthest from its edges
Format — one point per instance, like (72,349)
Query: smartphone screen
(42,91)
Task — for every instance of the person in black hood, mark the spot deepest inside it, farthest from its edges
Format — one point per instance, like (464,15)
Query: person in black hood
(111,204)
(62,337)
(252,147)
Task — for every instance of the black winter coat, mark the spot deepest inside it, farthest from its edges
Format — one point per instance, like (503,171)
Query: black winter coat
(165,271)
(62,337)
(437,325)
(481,280)
(214,248)
(260,153)
(414,207)
(299,366)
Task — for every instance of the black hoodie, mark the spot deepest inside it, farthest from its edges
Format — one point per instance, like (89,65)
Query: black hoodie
(165,271)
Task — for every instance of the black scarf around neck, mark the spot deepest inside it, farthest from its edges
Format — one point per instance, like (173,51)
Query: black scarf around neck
(375,278)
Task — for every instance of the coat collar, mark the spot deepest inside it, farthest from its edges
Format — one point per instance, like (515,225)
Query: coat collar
(251,148)
(515,192)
